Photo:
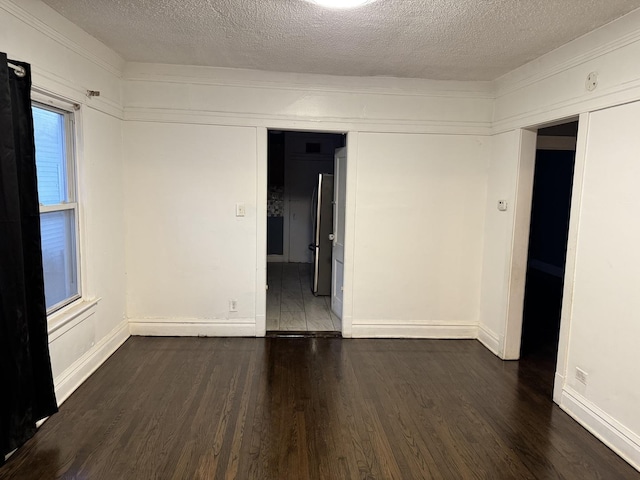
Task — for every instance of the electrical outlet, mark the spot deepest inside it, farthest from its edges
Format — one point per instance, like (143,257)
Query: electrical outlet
(233,305)
(581,376)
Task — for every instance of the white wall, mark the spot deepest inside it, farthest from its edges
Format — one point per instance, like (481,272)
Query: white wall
(418,234)
(418,228)
(64,59)
(553,86)
(501,185)
(191,111)
(599,300)
(190,94)
(187,252)
(604,326)
(66,65)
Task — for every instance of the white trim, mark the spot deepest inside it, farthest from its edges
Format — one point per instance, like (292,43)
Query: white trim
(566,315)
(83,240)
(395,329)
(115,68)
(605,428)
(193,327)
(58,106)
(490,340)
(305,122)
(568,108)
(568,65)
(58,207)
(558,387)
(306,82)
(75,375)
(71,93)
(66,315)
(6,457)
(67,301)
(52,101)
(565,57)
(349,233)
(519,245)
(261,231)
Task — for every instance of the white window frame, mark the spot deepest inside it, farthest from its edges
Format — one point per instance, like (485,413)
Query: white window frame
(68,111)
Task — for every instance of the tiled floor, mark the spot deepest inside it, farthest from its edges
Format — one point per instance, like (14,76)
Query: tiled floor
(290,304)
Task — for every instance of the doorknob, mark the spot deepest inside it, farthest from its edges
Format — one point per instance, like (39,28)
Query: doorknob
(332,236)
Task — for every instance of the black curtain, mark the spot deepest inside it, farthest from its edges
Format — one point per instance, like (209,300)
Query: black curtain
(26,384)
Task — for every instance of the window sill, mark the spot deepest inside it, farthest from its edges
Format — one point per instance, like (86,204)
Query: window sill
(67,314)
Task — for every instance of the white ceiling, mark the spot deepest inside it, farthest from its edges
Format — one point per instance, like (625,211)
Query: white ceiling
(436,39)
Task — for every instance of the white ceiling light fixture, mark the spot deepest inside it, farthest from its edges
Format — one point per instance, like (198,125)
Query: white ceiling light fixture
(341,4)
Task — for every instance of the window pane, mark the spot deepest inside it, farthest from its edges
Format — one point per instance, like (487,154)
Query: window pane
(58,256)
(51,159)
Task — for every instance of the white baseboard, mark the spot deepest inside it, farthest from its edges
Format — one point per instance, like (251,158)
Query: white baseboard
(558,388)
(490,340)
(399,330)
(192,328)
(608,430)
(347,325)
(260,327)
(70,379)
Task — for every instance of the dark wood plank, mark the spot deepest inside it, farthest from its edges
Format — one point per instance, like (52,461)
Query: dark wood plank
(313,408)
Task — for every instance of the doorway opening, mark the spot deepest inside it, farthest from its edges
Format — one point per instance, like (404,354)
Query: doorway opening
(547,249)
(303,218)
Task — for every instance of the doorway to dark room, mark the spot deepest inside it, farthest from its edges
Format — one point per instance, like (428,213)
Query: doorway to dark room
(548,235)
(301,213)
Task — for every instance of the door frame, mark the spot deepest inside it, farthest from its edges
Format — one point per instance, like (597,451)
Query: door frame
(261,224)
(520,244)
(337,243)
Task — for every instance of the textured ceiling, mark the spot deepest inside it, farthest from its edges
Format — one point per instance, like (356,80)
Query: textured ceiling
(436,39)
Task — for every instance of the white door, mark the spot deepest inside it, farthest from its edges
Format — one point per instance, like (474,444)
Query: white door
(339,197)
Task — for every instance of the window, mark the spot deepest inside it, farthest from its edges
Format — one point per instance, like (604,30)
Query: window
(55,163)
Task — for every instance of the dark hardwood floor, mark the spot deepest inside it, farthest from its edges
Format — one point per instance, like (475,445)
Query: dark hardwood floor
(317,408)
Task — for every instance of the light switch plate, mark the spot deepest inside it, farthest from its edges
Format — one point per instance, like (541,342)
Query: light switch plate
(240,210)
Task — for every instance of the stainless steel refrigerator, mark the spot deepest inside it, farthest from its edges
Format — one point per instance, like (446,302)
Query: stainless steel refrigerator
(322,214)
